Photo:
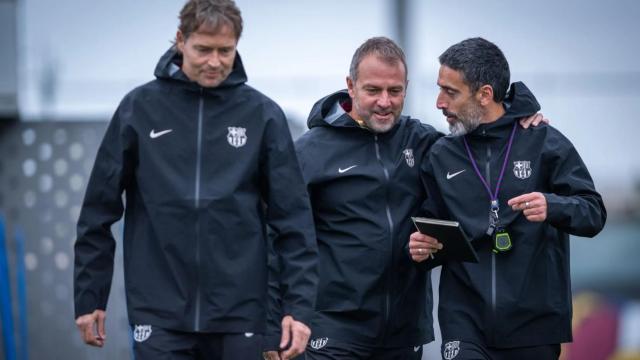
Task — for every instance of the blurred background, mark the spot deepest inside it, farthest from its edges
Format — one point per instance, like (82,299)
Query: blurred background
(65,65)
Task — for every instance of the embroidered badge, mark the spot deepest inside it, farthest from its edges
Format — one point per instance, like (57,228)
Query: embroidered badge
(237,136)
(408,156)
(522,169)
(141,332)
(451,350)
(318,343)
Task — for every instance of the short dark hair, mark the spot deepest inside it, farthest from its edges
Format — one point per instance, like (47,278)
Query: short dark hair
(481,63)
(211,13)
(384,48)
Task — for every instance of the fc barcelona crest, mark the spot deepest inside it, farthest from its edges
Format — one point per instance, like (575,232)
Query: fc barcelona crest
(522,169)
(237,136)
(318,343)
(408,156)
(141,332)
(451,350)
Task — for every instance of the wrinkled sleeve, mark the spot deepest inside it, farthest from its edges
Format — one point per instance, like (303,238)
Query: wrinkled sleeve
(432,206)
(289,217)
(274,300)
(573,204)
(102,206)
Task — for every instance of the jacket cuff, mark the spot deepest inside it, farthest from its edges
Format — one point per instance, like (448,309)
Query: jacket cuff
(554,207)
(86,305)
(271,342)
(303,316)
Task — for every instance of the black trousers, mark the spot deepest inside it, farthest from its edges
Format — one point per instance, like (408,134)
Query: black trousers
(153,343)
(461,350)
(332,349)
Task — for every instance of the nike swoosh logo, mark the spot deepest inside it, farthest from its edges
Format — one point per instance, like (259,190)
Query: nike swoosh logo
(416,348)
(153,134)
(450,176)
(340,170)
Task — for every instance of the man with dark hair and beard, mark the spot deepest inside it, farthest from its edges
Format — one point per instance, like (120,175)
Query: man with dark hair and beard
(518,195)
(360,160)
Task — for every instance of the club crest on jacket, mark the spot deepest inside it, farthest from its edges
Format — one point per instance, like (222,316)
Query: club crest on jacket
(318,343)
(408,156)
(451,350)
(141,332)
(237,136)
(522,169)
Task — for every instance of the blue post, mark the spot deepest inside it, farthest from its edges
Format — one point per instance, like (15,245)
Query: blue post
(5,299)
(21,280)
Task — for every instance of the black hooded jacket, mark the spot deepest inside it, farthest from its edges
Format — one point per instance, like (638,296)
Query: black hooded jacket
(204,171)
(364,187)
(521,297)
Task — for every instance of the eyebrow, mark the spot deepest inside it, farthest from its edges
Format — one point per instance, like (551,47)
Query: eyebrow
(445,87)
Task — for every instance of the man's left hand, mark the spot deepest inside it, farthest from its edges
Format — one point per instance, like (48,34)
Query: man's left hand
(533,120)
(294,333)
(533,206)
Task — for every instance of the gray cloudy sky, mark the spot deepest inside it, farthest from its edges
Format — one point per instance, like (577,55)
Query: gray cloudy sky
(579,58)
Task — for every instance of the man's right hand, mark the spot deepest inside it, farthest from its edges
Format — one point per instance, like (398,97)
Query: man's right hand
(421,246)
(296,335)
(91,328)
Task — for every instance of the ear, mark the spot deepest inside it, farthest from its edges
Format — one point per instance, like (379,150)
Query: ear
(180,41)
(350,86)
(484,95)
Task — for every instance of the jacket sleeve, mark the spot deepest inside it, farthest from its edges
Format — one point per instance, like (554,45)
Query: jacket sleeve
(432,206)
(95,245)
(271,341)
(573,205)
(289,216)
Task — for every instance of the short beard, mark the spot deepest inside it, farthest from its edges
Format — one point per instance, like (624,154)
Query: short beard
(467,121)
(380,129)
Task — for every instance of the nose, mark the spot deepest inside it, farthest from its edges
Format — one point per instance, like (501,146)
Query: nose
(440,103)
(384,101)
(213,60)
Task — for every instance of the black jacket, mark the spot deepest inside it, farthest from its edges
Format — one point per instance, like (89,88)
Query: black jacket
(521,297)
(204,170)
(364,187)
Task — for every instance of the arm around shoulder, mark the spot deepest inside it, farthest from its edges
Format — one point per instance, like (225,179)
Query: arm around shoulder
(573,204)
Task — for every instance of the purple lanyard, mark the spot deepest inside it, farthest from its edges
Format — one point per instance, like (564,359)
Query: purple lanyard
(493,196)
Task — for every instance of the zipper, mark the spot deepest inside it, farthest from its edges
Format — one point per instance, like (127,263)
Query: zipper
(391,227)
(197,207)
(493,254)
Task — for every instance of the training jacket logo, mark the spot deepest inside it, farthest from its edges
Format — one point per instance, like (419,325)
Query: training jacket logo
(408,156)
(451,350)
(522,169)
(237,136)
(153,134)
(318,343)
(341,170)
(450,176)
(141,332)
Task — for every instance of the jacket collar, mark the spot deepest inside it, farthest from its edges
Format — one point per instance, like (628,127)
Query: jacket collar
(518,103)
(329,112)
(169,68)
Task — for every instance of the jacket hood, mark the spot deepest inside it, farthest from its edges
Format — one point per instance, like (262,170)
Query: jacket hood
(169,68)
(518,103)
(329,112)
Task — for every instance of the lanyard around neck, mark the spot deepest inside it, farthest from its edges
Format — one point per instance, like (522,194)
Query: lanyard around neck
(492,195)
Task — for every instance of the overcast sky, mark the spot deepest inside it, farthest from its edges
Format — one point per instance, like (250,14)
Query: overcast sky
(579,58)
